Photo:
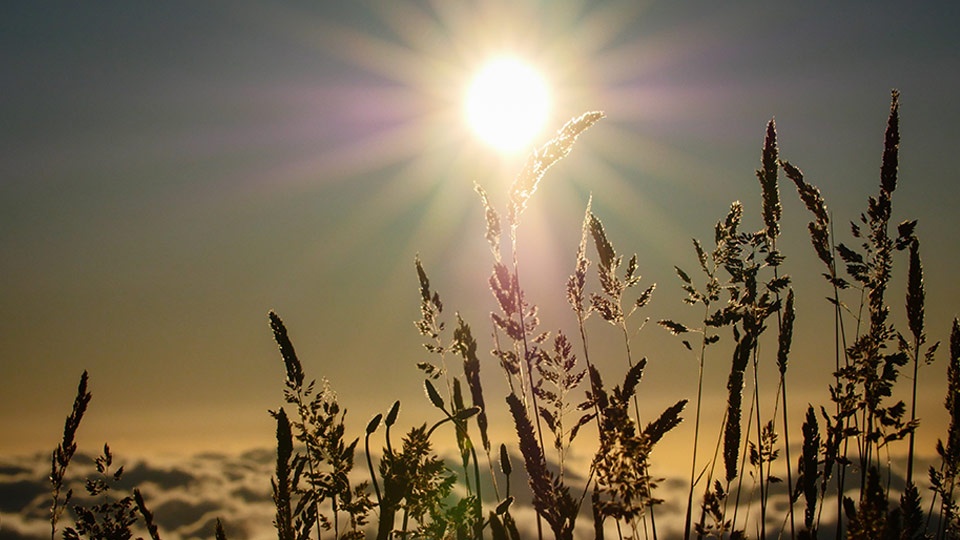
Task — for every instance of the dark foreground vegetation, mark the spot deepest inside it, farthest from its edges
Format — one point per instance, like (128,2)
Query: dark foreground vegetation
(556,394)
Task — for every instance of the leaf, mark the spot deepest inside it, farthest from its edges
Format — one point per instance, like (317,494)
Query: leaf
(469,412)
(433,395)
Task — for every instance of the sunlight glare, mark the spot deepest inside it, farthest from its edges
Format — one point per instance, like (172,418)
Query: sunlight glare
(507,104)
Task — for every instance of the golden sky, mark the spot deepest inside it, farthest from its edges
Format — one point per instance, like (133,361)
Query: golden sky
(172,171)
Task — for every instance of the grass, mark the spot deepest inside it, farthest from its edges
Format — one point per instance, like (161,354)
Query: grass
(554,399)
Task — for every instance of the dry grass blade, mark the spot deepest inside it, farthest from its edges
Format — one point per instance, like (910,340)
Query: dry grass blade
(951,453)
(669,419)
(820,227)
(283,484)
(674,327)
(466,345)
(808,466)
(915,294)
(147,515)
(534,461)
(65,451)
(732,432)
(809,194)
(220,533)
(767,175)
(891,146)
(542,159)
(550,498)
(493,222)
(431,307)
(911,514)
(605,251)
(869,521)
(577,280)
(68,446)
(945,480)
(559,377)
(290,361)
(632,379)
(786,333)
(915,312)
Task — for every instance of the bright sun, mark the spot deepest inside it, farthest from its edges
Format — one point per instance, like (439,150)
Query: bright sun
(507,104)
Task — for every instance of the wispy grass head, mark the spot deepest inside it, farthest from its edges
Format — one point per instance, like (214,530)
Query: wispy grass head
(542,159)
(820,227)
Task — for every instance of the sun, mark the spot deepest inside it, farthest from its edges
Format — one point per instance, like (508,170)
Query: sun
(507,104)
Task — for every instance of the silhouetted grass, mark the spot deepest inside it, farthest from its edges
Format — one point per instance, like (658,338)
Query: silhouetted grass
(413,493)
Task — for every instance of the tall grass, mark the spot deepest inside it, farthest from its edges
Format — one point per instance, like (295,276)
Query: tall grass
(741,294)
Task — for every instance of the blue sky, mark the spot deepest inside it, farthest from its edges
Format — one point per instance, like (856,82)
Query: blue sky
(172,171)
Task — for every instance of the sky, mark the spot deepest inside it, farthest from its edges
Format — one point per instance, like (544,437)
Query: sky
(173,171)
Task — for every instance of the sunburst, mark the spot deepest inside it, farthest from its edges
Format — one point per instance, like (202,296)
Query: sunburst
(425,71)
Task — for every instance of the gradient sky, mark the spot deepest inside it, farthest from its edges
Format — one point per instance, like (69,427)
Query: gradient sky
(171,171)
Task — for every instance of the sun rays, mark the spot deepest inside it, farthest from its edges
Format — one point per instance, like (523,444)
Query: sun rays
(424,121)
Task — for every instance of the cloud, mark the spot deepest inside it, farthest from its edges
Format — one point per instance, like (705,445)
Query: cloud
(165,479)
(14,496)
(187,496)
